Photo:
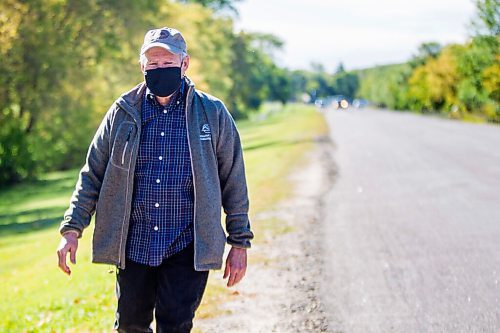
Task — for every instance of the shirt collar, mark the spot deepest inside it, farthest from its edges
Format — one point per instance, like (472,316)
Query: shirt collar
(179,93)
(151,108)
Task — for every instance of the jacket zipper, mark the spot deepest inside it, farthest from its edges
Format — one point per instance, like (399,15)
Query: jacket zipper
(192,174)
(126,144)
(120,263)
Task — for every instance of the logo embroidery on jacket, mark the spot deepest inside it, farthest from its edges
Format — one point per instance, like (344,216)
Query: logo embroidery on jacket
(205,130)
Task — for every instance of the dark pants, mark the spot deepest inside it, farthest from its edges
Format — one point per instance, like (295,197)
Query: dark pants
(174,289)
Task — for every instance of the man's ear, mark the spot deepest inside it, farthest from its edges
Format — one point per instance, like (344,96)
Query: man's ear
(185,64)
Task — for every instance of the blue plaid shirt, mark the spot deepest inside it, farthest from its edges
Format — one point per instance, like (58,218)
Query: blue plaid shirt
(161,221)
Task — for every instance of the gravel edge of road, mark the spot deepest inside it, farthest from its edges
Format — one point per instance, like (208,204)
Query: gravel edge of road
(281,290)
(307,304)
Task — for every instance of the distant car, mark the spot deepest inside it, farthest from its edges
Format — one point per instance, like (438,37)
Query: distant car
(344,104)
(339,102)
(319,103)
(335,102)
(360,103)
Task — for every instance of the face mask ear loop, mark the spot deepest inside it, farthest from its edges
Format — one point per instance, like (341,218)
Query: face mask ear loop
(182,62)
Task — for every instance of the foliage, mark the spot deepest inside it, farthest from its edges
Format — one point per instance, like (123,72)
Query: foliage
(255,76)
(345,84)
(432,86)
(215,4)
(488,17)
(477,58)
(425,52)
(65,61)
(50,53)
(384,85)
(319,84)
(461,81)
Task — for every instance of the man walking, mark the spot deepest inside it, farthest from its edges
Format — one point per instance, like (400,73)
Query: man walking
(163,162)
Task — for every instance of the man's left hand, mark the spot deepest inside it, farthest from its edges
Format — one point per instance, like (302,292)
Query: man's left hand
(236,265)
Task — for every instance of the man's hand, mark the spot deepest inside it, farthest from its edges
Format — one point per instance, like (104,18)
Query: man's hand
(236,265)
(69,243)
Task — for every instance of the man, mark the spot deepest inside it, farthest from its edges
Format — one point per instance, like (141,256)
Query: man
(163,162)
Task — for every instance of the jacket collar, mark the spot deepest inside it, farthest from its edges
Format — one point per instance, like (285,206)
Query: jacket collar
(130,101)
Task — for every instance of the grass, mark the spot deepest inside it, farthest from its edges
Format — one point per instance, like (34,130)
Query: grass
(38,297)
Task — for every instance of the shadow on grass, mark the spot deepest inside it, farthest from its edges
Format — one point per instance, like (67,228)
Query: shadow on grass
(23,216)
(15,215)
(263,145)
(21,228)
(248,124)
(283,143)
(30,220)
(61,185)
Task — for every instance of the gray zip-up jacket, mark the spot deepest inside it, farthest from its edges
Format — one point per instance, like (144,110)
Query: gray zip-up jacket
(106,181)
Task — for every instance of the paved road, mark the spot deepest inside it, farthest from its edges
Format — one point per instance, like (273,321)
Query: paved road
(412,225)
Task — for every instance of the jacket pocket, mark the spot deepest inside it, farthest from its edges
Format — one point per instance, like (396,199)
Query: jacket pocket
(123,143)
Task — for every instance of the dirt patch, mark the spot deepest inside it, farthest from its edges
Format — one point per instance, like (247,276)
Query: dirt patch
(280,291)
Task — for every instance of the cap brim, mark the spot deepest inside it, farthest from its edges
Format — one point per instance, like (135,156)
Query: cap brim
(169,48)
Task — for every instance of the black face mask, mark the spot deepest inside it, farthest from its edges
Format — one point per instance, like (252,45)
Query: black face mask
(163,82)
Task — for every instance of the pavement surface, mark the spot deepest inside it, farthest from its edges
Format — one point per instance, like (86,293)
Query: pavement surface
(411,237)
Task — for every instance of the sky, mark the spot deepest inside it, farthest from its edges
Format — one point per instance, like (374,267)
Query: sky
(358,33)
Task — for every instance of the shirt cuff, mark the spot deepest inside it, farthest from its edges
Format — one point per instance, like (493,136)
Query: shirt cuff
(72,232)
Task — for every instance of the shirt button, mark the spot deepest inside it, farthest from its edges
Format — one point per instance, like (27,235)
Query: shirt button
(160,158)
(156,228)
(164,111)
(157,205)
(178,102)
(162,133)
(158,180)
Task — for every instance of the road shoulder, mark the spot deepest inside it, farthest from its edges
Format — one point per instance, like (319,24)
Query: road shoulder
(280,290)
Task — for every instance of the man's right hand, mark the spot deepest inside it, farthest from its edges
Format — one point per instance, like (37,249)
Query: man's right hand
(69,243)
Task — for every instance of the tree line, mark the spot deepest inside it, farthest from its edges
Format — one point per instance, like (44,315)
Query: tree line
(458,80)
(63,62)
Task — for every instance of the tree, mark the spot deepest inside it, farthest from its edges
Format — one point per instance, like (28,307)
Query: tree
(487,21)
(346,83)
(56,49)
(248,89)
(255,76)
(385,85)
(65,61)
(474,63)
(433,86)
(425,52)
(215,4)
(280,84)
(340,68)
